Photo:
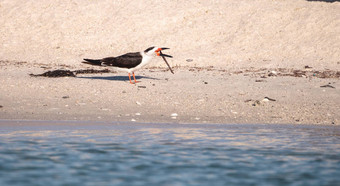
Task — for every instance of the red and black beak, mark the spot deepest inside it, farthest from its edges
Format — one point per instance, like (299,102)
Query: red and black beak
(159,53)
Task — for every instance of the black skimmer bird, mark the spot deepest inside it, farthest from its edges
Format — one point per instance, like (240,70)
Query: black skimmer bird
(130,62)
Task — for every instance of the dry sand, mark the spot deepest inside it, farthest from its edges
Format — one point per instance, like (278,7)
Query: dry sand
(228,56)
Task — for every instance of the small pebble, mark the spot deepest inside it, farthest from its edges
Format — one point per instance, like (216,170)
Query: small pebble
(272,73)
(233,112)
(138,114)
(265,100)
(174,115)
(201,100)
(138,103)
(269,99)
(133,120)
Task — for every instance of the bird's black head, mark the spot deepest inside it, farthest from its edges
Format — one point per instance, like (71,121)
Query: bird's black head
(149,49)
(152,51)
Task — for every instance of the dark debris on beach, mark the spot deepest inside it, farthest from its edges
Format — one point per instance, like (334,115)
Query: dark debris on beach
(314,73)
(264,73)
(56,73)
(69,73)
(275,72)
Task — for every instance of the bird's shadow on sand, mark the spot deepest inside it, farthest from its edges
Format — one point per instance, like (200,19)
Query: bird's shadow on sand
(117,78)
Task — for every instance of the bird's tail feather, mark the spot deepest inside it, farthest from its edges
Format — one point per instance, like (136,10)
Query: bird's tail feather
(93,62)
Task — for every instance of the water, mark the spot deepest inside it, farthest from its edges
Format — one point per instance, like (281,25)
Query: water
(76,153)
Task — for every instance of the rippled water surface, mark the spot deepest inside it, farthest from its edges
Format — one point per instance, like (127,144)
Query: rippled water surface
(66,153)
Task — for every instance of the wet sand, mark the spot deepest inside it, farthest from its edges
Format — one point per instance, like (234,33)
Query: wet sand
(191,95)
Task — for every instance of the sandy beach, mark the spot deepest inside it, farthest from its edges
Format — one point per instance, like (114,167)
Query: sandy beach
(234,61)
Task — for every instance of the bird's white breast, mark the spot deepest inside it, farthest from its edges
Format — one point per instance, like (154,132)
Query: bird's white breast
(146,59)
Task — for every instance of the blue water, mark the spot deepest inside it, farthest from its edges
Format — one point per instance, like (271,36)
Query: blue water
(76,153)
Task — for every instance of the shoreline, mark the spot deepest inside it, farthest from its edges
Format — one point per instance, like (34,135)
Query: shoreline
(80,124)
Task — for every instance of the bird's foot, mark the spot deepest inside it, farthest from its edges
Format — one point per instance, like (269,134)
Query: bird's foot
(134,82)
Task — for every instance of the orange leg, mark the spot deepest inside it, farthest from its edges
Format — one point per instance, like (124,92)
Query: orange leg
(133,74)
(130,79)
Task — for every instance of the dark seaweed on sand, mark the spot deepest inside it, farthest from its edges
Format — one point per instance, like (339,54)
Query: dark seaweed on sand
(68,73)
(56,73)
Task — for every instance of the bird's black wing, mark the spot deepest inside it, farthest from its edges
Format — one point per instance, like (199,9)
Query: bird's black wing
(128,60)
